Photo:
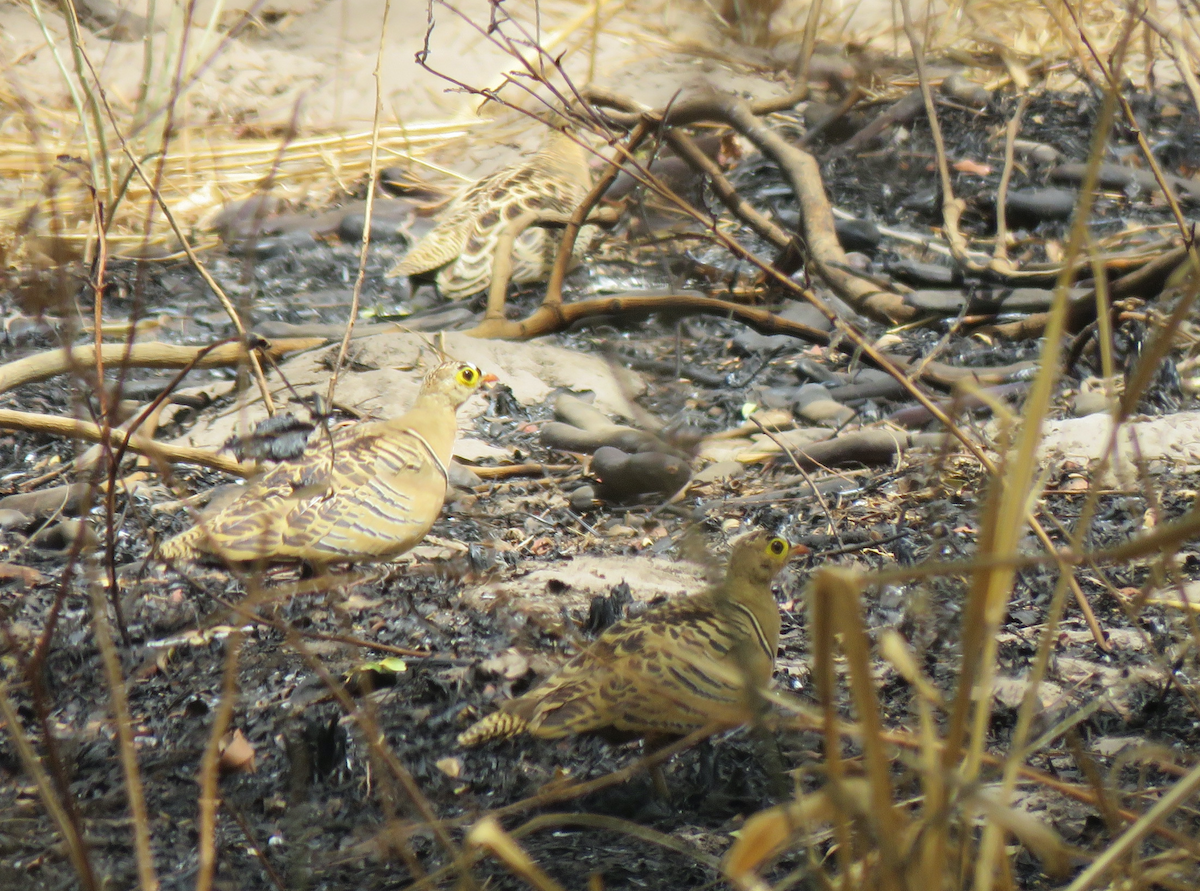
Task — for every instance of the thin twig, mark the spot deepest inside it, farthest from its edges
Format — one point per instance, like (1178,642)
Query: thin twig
(1000,251)
(833,526)
(64,818)
(372,177)
(200,268)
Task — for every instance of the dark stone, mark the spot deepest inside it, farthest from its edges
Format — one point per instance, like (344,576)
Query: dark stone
(858,235)
(1028,207)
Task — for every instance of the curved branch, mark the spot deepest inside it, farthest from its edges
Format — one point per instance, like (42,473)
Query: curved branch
(548,319)
(567,246)
(73,428)
(824,251)
(686,148)
(43,366)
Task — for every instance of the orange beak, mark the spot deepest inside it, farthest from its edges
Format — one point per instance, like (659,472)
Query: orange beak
(488,381)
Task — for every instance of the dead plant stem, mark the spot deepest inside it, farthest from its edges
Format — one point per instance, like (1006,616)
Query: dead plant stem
(1009,503)
(201,269)
(566,247)
(209,799)
(66,821)
(952,207)
(103,166)
(833,526)
(1000,250)
(11,419)
(1121,848)
(372,178)
(123,723)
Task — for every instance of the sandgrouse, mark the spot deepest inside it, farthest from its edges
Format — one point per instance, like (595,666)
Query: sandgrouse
(463,244)
(365,492)
(687,664)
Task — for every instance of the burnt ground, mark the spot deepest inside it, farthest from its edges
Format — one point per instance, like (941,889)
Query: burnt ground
(316,811)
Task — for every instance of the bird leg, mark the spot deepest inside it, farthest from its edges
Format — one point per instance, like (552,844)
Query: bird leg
(651,744)
(778,784)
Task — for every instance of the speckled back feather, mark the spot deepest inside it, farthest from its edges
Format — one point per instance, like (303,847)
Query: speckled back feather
(673,669)
(463,244)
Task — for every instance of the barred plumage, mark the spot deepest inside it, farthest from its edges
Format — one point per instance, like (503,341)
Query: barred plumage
(672,670)
(463,244)
(369,491)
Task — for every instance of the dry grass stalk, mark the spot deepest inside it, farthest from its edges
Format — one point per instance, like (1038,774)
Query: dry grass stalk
(123,722)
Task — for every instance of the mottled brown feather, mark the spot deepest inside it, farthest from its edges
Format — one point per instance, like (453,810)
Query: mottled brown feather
(463,244)
(368,491)
(672,670)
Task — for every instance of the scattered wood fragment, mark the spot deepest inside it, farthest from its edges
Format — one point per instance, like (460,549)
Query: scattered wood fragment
(868,447)
(506,471)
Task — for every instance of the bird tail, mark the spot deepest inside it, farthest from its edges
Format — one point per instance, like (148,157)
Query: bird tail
(498,725)
(182,547)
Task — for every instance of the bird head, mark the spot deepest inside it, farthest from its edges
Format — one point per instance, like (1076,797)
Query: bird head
(455,380)
(758,557)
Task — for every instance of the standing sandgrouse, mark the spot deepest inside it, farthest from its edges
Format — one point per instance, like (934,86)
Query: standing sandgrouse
(463,245)
(675,668)
(365,492)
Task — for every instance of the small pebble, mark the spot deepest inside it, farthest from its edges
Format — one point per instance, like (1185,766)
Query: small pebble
(61,536)
(44,502)
(583,498)
(1037,152)
(275,245)
(858,235)
(826,411)
(1089,402)
(917,274)
(13,519)
(389,220)
(966,91)
(1028,207)
(721,470)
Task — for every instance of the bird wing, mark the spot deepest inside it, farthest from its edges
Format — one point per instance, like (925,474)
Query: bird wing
(666,674)
(382,499)
(506,198)
(364,491)
(445,241)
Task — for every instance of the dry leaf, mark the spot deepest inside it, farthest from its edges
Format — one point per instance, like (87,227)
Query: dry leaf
(509,665)
(25,574)
(974,168)
(237,755)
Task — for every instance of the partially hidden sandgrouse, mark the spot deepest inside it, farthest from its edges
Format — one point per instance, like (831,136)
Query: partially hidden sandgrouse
(686,664)
(462,247)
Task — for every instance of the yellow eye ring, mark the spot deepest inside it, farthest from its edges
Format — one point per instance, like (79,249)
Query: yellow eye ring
(777,546)
(467,375)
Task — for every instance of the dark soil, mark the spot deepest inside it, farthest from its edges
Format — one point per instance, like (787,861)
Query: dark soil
(319,812)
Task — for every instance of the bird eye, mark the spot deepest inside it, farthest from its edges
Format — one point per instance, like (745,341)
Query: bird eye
(467,375)
(778,547)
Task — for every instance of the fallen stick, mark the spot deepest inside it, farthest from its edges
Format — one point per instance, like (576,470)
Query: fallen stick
(870,448)
(507,471)
(73,428)
(43,366)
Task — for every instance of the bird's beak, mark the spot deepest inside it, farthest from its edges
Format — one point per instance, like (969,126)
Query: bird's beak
(798,550)
(488,381)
